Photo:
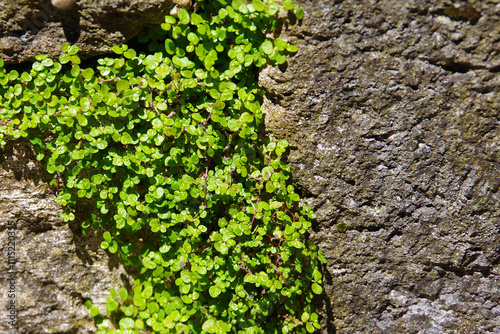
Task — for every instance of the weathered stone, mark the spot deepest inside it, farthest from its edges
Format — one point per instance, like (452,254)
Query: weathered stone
(391,108)
(392,111)
(29,28)
(57,268)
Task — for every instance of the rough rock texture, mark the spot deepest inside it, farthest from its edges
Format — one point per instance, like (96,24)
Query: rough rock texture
(31,27)
(57,268)
(392,109)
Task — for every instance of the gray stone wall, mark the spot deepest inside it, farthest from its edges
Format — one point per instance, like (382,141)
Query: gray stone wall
(392,109)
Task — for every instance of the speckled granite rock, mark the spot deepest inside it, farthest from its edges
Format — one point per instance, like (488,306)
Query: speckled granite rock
(392,109)
(31,27)
(57,268)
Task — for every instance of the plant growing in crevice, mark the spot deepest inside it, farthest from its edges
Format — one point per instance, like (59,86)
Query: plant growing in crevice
(167,144)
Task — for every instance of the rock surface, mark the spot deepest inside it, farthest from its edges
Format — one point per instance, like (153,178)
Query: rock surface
(392,109)
(57,268)
(36,27)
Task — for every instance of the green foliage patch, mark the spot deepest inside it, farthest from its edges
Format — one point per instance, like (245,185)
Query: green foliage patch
(166,144)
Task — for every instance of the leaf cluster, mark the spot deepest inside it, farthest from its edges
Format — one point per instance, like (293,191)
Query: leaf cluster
(167,145)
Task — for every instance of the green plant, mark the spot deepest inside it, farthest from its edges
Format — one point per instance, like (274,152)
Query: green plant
(166,144)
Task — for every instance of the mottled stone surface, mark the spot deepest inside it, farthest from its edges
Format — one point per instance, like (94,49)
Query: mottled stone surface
(31,27)
(392,109)
(57,268)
